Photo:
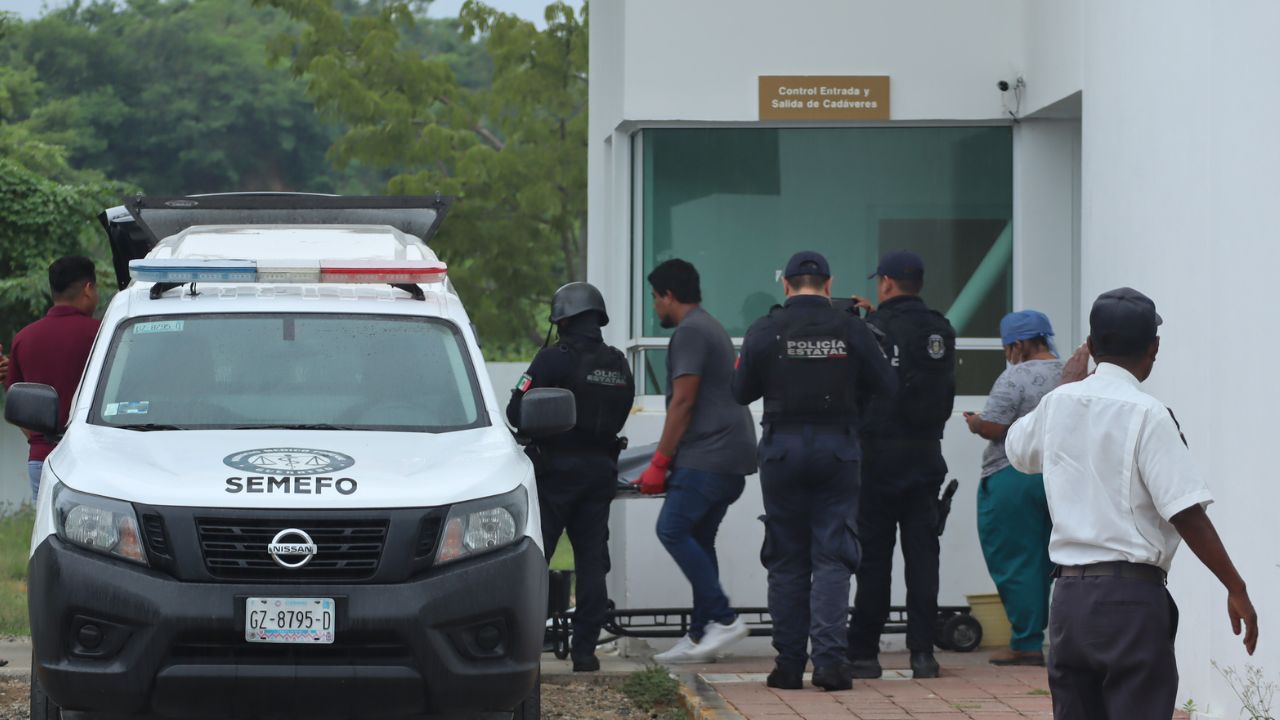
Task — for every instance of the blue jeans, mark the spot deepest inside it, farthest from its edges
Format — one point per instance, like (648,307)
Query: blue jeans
(691,514)
(33,473)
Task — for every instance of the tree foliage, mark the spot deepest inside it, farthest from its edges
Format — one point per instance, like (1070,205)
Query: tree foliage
(513,152)
(184,96)
(47,207)
(174,96)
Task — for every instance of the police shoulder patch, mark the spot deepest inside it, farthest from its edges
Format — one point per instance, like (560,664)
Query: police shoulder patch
(524,383)
(936,346)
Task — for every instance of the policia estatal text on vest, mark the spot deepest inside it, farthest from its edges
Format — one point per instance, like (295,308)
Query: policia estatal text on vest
(577,471)
(816,367)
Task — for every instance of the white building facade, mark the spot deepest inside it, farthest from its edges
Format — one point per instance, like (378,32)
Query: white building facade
(1137,151)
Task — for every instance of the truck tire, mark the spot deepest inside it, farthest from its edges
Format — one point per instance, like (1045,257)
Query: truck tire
(42,708)
(530,709)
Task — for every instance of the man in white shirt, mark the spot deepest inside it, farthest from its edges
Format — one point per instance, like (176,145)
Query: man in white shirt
(1122,494)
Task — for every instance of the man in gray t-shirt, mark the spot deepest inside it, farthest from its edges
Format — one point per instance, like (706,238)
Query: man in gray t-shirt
(708,447)
(721,437)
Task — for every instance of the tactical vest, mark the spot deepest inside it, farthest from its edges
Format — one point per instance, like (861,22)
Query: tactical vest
(921,346)
(809,377)
(604,391)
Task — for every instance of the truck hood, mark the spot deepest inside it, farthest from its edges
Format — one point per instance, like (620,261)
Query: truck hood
(290,468)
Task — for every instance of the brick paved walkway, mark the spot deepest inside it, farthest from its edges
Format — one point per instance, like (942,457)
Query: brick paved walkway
(969,688)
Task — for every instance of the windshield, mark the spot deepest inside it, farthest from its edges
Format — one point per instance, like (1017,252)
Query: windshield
(306,371)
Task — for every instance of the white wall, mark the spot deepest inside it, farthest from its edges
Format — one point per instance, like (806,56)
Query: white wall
(668,61)
(607,161)
(700,60)
(504,375)
(1147,156)
(1181,166)
(663,62)
(15,487)
(1046,167)
(1054,63)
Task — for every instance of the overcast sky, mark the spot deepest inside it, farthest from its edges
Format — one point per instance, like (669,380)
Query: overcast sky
(531,9)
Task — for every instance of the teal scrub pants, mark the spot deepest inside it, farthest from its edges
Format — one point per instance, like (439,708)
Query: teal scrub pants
(1013,527)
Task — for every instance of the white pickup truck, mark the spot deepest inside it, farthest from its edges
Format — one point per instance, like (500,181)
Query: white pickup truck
(285,488)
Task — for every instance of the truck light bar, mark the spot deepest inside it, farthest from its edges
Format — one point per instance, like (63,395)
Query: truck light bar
(186,271)
(381,271)
(182,271)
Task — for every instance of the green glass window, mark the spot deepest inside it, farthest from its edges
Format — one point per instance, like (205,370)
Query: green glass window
(736,202)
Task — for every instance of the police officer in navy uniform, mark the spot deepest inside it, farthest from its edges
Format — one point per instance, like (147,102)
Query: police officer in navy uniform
(904,468)
(815,366)
(577,470)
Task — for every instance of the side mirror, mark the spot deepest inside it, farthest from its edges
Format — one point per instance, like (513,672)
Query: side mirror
(546,411)
(34,407)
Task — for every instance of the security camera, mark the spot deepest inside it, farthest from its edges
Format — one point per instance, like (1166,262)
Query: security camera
(1003,85)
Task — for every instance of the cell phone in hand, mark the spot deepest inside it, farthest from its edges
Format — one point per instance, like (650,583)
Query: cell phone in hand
(850,306)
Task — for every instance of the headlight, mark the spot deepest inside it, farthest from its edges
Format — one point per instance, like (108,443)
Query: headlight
(99,524)
(481,526)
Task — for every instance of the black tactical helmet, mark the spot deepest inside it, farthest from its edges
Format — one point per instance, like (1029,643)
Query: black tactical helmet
(575,299)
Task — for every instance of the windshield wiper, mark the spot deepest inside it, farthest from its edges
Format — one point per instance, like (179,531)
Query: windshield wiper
(295,426)
(148,427)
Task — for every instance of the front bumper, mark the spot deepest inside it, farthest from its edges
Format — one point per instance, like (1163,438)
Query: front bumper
(176,649)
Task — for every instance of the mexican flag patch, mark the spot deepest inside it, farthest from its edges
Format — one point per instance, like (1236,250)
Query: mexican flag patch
(525,382)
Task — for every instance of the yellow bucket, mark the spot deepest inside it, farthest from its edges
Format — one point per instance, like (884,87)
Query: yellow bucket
(988,610)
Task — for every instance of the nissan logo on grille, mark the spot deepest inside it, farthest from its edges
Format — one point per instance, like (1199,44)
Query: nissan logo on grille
(291,548)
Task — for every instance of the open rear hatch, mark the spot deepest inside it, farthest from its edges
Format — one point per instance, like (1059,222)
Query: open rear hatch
(136,227)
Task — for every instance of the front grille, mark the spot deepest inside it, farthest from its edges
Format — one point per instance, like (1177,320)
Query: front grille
(236,549)
(429,535)
(235,651)
(153,529)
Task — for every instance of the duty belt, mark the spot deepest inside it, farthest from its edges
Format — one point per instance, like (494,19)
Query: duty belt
(1137,571)
(809,430)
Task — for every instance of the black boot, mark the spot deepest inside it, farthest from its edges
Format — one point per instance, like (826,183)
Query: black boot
(586,663)
(923,666)
(785,679)
(865,668)
(834,677)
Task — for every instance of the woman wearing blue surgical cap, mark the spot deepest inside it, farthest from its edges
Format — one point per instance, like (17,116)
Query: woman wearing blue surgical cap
(1013,516)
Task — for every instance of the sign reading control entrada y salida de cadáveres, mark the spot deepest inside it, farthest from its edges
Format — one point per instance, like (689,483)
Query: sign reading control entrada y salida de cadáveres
(824,97)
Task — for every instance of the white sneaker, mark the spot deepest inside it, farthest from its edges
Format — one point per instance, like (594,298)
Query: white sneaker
(717,638)
(684,651)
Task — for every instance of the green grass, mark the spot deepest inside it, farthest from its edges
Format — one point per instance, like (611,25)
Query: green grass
(15,540)
(654,691)
(563,559)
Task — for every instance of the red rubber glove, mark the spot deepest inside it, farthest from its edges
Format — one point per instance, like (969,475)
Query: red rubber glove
(654,479)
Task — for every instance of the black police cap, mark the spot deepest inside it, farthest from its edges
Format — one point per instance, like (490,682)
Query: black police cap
(900,265)
(807,262)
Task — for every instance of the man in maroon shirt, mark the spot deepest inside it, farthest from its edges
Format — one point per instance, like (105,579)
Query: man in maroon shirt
(54,349)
